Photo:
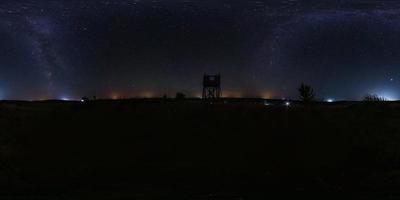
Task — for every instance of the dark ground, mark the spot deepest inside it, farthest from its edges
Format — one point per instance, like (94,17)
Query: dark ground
(188,150)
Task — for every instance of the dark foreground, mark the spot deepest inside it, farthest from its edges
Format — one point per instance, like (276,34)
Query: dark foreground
(182,150)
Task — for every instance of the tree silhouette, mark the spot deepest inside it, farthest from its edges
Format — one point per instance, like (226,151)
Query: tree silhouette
(373,98)
(306,93)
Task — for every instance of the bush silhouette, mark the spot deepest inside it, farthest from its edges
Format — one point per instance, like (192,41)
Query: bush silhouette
(306,93)
(180,95)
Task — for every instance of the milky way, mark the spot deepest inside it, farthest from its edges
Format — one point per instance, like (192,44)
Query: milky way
(69,49)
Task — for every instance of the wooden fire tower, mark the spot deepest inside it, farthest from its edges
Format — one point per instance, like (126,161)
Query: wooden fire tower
(211,86)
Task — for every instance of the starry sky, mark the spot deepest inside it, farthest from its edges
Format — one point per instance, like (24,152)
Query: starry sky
(55,49)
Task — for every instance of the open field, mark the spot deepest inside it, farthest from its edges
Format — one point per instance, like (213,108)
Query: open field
(192,150)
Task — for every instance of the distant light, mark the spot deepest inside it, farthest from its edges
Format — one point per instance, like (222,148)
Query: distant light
(82,100)
(65,99)
(287,103)
(329,100)
(266,103)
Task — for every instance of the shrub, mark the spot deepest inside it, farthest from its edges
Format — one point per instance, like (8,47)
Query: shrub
(180,95)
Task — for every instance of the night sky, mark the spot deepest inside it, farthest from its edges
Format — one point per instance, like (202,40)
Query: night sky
(146,48)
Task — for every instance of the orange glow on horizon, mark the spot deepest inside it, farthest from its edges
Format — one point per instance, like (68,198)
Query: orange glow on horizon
(225,94)
(147,94)
(114,96)
(267,95)
(232,94)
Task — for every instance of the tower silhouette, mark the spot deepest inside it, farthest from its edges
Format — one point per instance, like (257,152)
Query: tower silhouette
(211,86)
